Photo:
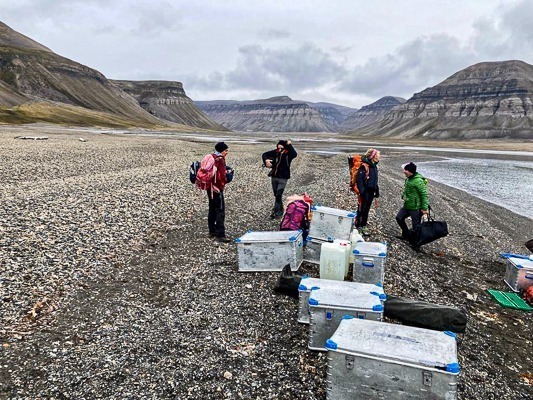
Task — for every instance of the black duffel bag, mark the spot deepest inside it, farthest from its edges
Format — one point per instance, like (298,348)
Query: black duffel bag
(288,282)
(529,245)
(428,231)
(425,315)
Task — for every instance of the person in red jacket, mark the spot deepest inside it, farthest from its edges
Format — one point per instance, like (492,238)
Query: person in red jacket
(217,207)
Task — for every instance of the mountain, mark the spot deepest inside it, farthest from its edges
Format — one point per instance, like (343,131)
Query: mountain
(11,38)
(276,114)
(38,85)
(370,113)
(486,100)
(167,100)
(332,114)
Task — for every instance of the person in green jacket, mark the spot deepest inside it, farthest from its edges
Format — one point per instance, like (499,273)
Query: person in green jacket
(415,199)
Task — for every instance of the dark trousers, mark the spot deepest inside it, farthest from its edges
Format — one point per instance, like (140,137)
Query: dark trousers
(363,208)
(278,186)
(403,214)
(216,215)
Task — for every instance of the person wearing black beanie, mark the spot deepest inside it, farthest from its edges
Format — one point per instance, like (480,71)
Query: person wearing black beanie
(215,193)
(411,167)
(221,146)
(279,161)
(415,199)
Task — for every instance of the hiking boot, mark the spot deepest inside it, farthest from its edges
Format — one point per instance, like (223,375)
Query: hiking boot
(416,248)
(223,239)
(278,214)
(401,237)
(210,234)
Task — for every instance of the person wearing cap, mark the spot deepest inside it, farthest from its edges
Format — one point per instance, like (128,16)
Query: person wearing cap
(367,185)
(217,206)
(279,161)
(415,199)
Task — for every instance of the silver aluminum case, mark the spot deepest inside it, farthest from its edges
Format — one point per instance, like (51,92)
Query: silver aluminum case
(369,262)
(331,223)
(378,360)
(518,273)
(269,251)
(307,284)
(327,307)
(312,249)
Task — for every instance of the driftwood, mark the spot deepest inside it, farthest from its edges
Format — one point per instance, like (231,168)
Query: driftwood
(32,137)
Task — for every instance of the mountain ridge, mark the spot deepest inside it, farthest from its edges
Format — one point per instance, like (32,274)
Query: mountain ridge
(483,101)
(36,81)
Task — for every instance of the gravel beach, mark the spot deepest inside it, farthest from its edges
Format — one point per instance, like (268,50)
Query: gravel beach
(111,288)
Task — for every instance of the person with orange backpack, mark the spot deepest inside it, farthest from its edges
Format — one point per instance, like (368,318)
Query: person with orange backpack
(212,177)
(364,183)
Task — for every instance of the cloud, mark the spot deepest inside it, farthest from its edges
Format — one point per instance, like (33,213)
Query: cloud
(274,34)
(427,61)
(285,69)
(508,36)
(413,66)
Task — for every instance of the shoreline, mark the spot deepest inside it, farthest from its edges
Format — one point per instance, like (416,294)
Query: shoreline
(143,299)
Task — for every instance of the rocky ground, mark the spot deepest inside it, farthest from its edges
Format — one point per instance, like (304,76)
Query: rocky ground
(110,287)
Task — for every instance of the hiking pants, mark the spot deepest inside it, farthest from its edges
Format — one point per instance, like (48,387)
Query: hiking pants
(403,214)
(216,215)
(278,186)
(363,208)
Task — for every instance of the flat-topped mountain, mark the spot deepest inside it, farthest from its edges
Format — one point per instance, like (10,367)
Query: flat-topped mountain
(276,114)
(333,115)
(370,113)
(38,85)
(485,100)
(167,100)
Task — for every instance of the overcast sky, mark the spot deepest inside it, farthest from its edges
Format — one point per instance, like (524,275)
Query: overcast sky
(349,52)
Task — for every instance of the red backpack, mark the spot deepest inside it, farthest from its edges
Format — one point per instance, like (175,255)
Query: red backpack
(206,173)
(297,216)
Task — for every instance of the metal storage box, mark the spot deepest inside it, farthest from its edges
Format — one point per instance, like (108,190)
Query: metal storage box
(519,273)
(312,249)
(369,262)
(307,283)
(377,360)
(269,251)
(331,223)
(328,305)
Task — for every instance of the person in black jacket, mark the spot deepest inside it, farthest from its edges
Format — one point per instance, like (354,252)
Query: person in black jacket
(279,160)
(367,184)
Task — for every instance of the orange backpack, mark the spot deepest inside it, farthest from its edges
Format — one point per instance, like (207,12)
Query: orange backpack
(354,163)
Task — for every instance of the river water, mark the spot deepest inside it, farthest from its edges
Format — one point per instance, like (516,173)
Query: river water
(503,182)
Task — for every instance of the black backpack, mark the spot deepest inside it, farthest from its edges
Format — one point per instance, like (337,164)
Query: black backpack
(193,170)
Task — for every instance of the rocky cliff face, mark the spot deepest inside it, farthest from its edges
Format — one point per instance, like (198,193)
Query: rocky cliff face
(370,113)
(277,114)
(486,100)
(167,100)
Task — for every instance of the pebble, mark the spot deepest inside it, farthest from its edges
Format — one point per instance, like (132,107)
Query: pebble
(105,242)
